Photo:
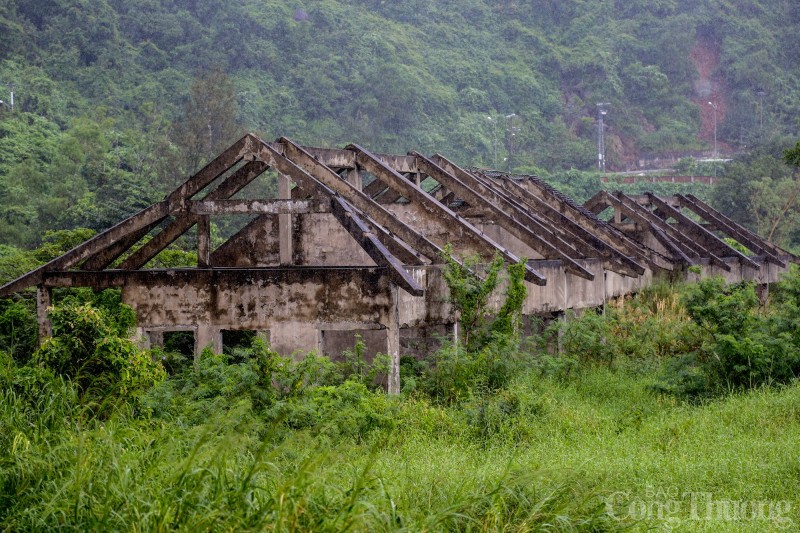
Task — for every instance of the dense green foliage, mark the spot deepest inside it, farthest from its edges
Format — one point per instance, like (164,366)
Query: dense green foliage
(584,440)
(117,101)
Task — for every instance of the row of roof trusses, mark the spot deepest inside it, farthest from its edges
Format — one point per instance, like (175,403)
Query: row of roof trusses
(687,240)
(548,230)
(390,242)
(597,238)
(526,207)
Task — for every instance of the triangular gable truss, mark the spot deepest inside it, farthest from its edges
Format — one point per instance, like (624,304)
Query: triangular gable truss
(686,240)
(380,234)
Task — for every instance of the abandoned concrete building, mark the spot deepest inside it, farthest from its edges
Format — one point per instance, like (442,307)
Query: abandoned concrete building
(353,243)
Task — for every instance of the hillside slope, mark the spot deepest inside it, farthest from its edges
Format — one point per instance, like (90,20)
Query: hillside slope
(104,87)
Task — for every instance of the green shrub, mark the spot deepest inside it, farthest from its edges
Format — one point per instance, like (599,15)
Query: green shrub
(742,344)
(87,348)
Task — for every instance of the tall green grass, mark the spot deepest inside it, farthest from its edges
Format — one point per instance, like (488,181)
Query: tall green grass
(543,455)
(584,441)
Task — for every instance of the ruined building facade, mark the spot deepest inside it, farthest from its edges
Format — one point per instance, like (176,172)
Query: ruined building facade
(354,243)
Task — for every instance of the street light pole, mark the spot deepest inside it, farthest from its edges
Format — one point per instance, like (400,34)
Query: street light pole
(714,107)
(511,134)
(601,140)
(494,138)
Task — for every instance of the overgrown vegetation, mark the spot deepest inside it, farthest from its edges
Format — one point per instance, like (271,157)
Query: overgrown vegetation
(691,386)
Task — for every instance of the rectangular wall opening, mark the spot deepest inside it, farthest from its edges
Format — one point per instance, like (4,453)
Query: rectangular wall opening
(177,350)
(237,343)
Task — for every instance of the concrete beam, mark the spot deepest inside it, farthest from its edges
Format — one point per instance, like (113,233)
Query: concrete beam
(217,167)
(230,186)
(430,207)
(698,232)
(143,218)
(513,220)
(374,248)
(44,300)
(302,162)
(719,222)
(263,207)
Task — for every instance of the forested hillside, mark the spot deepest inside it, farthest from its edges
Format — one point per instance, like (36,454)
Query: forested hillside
(118,100)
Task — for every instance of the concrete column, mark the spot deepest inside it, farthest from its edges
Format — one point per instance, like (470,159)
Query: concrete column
(205,336)
(617,216)
(203,241)
(354,178)
(285,221)
(418,179)
(393,342)
(44,299)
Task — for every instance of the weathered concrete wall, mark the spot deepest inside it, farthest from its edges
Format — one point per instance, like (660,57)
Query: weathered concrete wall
(505,239)
(768,273)
(293,304)
(433,228)
(319,239)
(256,245)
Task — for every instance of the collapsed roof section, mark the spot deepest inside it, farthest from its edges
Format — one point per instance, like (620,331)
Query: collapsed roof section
(395,212)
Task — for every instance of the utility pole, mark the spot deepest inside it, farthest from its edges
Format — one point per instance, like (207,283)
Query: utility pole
(601,138)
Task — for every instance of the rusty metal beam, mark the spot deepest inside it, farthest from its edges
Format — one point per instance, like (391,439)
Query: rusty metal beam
(351,222)
(515,221)
(432,208)
(233,184)
(143,218)
(266,207)
(699,231)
